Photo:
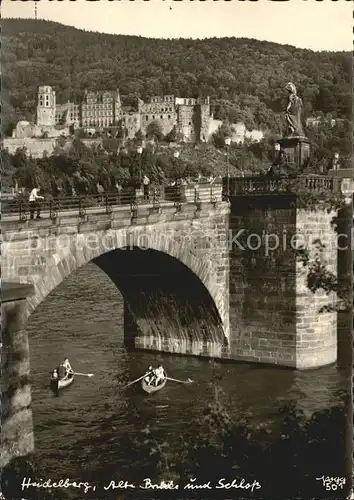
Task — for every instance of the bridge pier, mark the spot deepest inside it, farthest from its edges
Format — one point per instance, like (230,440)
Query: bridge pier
(17,425)
(275,316)
(345,274)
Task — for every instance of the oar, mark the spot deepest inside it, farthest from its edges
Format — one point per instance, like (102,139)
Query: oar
(137,380)
(189,381)
(83,374)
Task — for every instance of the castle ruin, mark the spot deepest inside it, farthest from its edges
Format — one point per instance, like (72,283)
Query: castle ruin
(103,110)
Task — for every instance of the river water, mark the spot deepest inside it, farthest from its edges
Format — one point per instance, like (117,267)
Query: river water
(85,432)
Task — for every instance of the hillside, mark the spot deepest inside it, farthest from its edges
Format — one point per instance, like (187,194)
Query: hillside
(244,77)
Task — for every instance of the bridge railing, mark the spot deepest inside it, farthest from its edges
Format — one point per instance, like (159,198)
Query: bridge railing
(50,207)
(283,185)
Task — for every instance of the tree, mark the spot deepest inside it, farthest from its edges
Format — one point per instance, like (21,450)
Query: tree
(297,450)
(250,93)
(19,159)
(139,136)
(173,135)
(154,130)
(7,170)
(224,130)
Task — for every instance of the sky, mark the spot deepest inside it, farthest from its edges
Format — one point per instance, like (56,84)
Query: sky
(316,25)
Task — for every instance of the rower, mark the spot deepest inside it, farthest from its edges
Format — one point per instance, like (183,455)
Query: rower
(61,371)
(55,373)
(67,366)
(149,375)
(153,376)
(160,375)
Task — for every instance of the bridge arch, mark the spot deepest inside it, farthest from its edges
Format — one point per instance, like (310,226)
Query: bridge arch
(74,251)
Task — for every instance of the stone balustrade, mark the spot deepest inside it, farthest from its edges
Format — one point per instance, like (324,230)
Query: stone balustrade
(283,185)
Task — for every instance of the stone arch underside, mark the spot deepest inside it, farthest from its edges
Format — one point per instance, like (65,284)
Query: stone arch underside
(168,290)
(164,298)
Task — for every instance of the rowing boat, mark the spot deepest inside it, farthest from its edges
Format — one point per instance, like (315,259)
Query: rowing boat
(153,388)
(57,384)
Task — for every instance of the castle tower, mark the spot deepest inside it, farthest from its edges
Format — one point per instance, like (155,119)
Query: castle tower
(204,110)
(46,106)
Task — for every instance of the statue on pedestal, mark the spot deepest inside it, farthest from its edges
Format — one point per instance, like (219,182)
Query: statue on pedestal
(293,113)
(293,150)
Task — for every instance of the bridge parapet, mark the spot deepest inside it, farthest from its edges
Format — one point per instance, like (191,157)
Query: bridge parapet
(283,185)
(107,202)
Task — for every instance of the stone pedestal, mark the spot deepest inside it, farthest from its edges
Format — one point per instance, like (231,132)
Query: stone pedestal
(17,426)
(296,149)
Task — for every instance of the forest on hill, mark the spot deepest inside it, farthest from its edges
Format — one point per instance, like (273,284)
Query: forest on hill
(245,78)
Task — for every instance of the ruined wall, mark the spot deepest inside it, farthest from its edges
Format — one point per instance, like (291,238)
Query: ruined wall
(204,110)
(185,122)
(167,120)
(240,131)
(36,147)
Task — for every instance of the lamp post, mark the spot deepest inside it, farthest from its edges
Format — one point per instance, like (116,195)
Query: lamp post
(227,144)
(176,156)
(177,187)
(139,151)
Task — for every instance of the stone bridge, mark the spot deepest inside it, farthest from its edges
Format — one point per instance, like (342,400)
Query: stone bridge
(201,276)
(169,261)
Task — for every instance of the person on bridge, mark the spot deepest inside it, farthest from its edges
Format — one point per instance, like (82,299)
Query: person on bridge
(160,375)
(146,182)
(33,202)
